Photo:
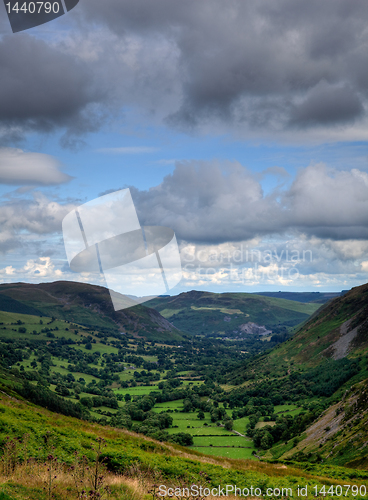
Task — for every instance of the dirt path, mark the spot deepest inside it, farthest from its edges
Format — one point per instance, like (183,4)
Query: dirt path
(238,433)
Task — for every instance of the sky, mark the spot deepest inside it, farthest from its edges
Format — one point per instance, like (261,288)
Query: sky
(241,125)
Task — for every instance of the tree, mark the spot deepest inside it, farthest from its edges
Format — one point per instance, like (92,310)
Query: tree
(228,423)
(200,415)
(182,438)
(266,440)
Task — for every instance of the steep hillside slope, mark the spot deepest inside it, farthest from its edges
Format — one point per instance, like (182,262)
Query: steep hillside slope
(340,435)
(231,314)
(337,331)
(38,442)
(324,366)
(86,304)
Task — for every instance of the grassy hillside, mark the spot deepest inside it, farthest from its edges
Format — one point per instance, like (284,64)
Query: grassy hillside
(279,405)
(101,371)
(337,331)
(204,313)
(324,368)
(42,457)
(339,435)
(88,305)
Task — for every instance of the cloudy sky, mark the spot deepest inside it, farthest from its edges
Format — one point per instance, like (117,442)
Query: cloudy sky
(241,125)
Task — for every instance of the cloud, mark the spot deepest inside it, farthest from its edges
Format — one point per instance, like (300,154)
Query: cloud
(24,222)
(252,69)
(42,269)
(276,171)
(266,65)
(329,203)
(43,88)
(327,104)
(214,202)
(22,168)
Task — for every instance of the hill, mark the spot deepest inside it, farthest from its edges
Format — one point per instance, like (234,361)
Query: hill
(315,297)
(340,434)
(232,314)
(324,366)
(46,455)
(88,305)
(337,331)
(225,397)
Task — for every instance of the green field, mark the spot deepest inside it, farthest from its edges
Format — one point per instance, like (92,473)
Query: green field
(226,445)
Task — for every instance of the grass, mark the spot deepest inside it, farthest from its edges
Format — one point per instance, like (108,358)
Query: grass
(133,459)
(235,453)
(225,440)
(135,462)
(169,405)
(287,409)
(137,391)
(102,348)
(240,424)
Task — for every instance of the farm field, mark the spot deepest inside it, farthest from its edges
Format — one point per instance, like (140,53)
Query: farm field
(107,373)
(207,436)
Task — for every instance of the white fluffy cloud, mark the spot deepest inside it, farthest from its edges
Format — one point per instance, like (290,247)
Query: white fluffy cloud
(22,168)
(214,202)
(27,221)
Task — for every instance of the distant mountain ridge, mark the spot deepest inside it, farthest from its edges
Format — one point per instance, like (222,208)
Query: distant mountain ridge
(226,314)
(316,297)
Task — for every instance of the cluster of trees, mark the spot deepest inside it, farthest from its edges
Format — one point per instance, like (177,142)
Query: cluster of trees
(97,401)
(286,427)
(139,417)
(322,380)
(42,396)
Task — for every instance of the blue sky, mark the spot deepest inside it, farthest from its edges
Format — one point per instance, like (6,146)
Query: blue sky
(241,127)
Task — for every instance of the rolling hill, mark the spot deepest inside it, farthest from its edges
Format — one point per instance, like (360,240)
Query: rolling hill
(88,305)
(231,314)
(307,398)
(316,297)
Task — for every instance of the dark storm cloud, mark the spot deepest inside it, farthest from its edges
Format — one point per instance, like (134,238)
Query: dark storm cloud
(213,202)
(265,63)
(327,105)
(42,88)
(248,66)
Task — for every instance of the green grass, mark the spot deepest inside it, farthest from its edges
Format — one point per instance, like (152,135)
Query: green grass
(172,405)
(102,348)
(224,310)
(68,435)
(227,439)
(287,410)
(235,453)
(138,391)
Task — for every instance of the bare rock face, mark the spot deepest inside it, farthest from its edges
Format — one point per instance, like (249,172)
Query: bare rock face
(254,329)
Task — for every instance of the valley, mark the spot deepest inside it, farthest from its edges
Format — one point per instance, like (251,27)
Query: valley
(295,397)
